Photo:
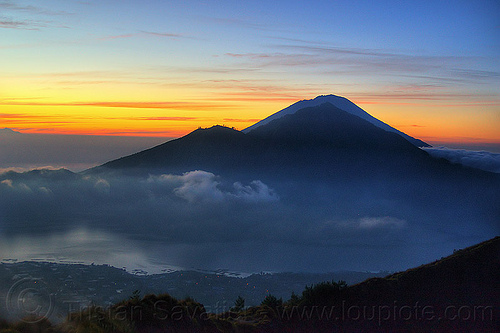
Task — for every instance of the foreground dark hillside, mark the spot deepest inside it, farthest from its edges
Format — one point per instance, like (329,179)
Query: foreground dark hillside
(459,293)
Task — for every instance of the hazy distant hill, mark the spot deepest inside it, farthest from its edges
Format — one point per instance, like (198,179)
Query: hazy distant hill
(8,131)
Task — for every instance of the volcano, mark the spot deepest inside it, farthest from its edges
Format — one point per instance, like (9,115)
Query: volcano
(323,138)
(341,103)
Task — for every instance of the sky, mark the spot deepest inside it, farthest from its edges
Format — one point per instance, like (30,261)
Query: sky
(164,68)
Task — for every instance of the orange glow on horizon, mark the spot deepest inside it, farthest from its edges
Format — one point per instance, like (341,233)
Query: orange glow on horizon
(435,122)
(426,120)
(152,119)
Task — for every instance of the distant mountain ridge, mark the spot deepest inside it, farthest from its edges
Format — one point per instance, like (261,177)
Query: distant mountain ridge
(341,103)
(8,131)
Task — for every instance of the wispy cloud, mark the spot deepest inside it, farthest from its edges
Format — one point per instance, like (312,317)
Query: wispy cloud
(413,125)
(155,105)
(279,59)
(429,95)
(474,74)
(163,118)
(318,58)
(357,60)
(132,105)
(27,17)
(14,115)
(162,133)
(20,24)
(376,58)
(163,34)
(10,5)
(432,77)
(117,36)
(240,120)
(238,23)
(24,118)
(143,34)
(255,97)
(53,120)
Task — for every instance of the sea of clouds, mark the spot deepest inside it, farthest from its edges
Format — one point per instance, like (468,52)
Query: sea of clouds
(483,160)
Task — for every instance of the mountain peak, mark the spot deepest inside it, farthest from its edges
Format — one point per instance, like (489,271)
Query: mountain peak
(326,124)
(203,149)
(216,128)
(214,131)
(8,131)
(342,103)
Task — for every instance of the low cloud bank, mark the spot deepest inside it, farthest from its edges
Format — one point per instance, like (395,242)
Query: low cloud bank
(200,185)
(202,220)
(476,159)
(76,152)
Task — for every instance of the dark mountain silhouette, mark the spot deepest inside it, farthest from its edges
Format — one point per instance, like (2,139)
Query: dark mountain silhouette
(216,148)
(318,137)
(341,103)
(314,142)
(327,134)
